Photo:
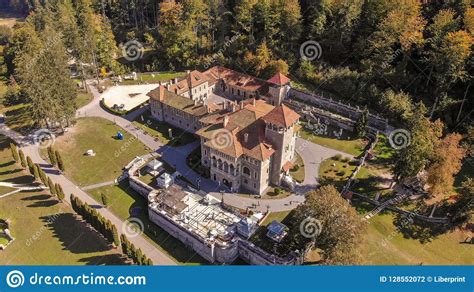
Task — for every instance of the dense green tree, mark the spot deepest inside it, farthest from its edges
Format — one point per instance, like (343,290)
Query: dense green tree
(52,156)
(362,124)
(22,158)
(59,160)
(104,199)
(14,151)
(341,229)
(52,187)
(419,146)
(36,172)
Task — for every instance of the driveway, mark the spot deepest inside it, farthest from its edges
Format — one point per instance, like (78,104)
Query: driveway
(312,155)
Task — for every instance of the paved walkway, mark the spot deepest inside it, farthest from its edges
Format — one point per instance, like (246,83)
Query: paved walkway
(99,185)
(30,149)
(312,155)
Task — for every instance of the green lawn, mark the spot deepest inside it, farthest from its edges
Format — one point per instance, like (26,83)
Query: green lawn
(45,231)
(154,78)
(18,118)
(387,246)
(126,203)
(347,143)
(297,172)
(160,130)
(336,171)
(83,98)
(111,154)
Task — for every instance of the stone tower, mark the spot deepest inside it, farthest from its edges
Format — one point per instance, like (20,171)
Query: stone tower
(280,132)
(278,89)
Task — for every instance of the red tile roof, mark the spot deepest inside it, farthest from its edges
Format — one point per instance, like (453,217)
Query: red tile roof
(279,79)
(236,79)
(281,115)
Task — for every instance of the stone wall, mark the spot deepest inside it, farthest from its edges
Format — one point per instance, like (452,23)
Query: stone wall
(217,254)
(337,107)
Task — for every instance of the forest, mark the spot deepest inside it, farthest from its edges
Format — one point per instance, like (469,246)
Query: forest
(397,57)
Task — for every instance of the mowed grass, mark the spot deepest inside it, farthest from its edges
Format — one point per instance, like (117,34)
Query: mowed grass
(387,246)
(46,232)
(347,143)
(297,172)
(126,203)
(160,130)
(83,98)
(336,171)
(111,154)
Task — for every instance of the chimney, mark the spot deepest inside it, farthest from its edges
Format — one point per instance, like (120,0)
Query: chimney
(253,102)
(246,137)
(168,87)
(242,105)
(188,72)
(226,121)
(176,80)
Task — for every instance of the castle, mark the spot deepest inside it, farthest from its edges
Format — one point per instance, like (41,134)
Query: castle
(247,135)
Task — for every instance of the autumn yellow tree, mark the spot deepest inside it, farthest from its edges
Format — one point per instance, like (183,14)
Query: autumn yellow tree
(447,163)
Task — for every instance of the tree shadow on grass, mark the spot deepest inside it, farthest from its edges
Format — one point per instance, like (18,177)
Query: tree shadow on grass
(12,171)
(24,179)
(75,235)
(422,231)
(44,204)
(6,164)
(36,197)
(115,259)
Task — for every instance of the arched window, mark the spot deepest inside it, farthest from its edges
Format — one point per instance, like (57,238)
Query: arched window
(214,161)
(219,164)
(246,170)
(226,166)
(232,169)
